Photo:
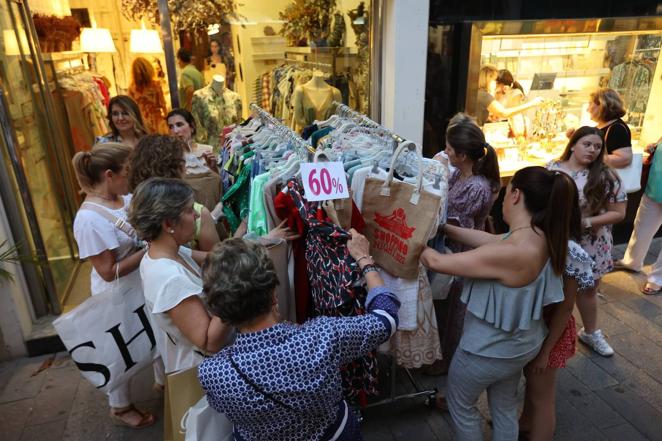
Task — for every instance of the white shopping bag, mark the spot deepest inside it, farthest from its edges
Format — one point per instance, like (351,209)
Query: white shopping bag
(109,335)
(202,423)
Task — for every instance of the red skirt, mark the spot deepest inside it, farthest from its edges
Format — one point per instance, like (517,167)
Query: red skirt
(565,348)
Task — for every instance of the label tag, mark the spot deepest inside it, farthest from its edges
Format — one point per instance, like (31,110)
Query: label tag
(324,180)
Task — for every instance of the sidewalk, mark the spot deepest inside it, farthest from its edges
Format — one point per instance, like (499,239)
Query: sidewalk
(617,398)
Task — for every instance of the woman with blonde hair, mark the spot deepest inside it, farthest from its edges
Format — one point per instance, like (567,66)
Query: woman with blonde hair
(147,92)
(487,107)
(114,252)
(125,120)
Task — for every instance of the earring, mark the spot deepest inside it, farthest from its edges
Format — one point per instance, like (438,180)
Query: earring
(171,231)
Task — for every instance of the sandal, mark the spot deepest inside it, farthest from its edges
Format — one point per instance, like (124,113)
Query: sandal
(146,418)
(651,289)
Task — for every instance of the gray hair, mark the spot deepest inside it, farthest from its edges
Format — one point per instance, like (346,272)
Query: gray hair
(157,200)
(239,280)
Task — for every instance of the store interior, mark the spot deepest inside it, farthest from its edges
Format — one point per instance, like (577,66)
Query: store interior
(59,76)
(563,69)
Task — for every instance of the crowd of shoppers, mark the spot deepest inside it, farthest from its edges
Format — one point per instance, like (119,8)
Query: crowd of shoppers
(146,220)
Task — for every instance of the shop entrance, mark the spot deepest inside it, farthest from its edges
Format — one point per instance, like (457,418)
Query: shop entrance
(36,153)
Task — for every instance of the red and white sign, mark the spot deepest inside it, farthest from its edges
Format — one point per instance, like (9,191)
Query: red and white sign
(324,180)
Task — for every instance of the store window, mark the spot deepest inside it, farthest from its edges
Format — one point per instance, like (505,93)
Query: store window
(36,159)
(561,62)
(293,59)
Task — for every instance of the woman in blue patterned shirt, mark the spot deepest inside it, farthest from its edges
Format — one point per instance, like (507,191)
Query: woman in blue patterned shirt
(281,381)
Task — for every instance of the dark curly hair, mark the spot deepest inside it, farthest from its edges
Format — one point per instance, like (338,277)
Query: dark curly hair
(156,156)
(239,280)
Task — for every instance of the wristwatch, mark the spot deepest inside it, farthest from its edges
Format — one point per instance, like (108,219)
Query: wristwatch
(587,224)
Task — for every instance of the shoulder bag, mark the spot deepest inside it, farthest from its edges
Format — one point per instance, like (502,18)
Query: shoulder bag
(629,175)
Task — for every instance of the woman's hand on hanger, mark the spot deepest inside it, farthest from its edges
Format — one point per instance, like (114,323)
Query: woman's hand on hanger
(211,160)
(283,232)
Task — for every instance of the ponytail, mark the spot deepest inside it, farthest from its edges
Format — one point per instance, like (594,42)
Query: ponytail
(90,166)
(464,135)
(488,166)
(518,86)
(551,198)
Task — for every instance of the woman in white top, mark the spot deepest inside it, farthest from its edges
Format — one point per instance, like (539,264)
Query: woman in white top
(102,174)
(162,214)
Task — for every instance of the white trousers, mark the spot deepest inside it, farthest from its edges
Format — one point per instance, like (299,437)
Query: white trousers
(121,395)
(646,224)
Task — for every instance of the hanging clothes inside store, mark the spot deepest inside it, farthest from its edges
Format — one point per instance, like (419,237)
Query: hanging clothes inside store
(632,80)
(85,97)
(276,91)
(260,162)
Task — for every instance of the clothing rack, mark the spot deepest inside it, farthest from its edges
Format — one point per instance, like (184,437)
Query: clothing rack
(281,129)
(430,395)
(307,63)
(347,112)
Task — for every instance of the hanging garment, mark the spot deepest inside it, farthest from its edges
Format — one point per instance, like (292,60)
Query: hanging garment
(307,112)
(335,285)
(632,80)
(287,210)
(236,201)
(214,111)
(413,348)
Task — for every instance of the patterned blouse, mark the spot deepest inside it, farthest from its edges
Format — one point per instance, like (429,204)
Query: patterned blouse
(298,365)
(469,202)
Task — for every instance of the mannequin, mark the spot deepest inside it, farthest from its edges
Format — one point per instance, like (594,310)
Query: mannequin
(215,107)
(218,84)
(314,101)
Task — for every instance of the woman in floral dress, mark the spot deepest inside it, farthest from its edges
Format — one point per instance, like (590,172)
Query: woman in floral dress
(147,92)
(602,202)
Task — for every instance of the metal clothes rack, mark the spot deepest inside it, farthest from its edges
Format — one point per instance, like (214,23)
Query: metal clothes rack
(307,63)
(347,112)
(281,129)
(429,394)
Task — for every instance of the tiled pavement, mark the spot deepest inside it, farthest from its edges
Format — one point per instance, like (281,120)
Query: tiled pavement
(617,398)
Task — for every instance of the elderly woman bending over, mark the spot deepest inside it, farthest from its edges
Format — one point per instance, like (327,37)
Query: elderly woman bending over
(281,381)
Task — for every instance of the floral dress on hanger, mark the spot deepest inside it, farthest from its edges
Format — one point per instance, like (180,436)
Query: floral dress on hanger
(335,284)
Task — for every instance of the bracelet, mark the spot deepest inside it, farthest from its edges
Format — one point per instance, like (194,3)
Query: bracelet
(587,223)
(363,257)
(369,268)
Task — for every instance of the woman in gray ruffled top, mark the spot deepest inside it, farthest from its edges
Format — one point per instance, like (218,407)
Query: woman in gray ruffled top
(508,281)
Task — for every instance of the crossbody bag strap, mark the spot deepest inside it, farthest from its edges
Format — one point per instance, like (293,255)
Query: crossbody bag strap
(116,221)
(258,388)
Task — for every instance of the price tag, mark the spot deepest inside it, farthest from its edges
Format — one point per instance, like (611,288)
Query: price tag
(324,180)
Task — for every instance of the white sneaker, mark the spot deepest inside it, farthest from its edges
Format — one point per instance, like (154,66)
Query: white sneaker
(596,341)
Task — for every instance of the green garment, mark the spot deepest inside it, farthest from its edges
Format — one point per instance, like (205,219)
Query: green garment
(236,201)
(654,186)
(257,218)
(190,77)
